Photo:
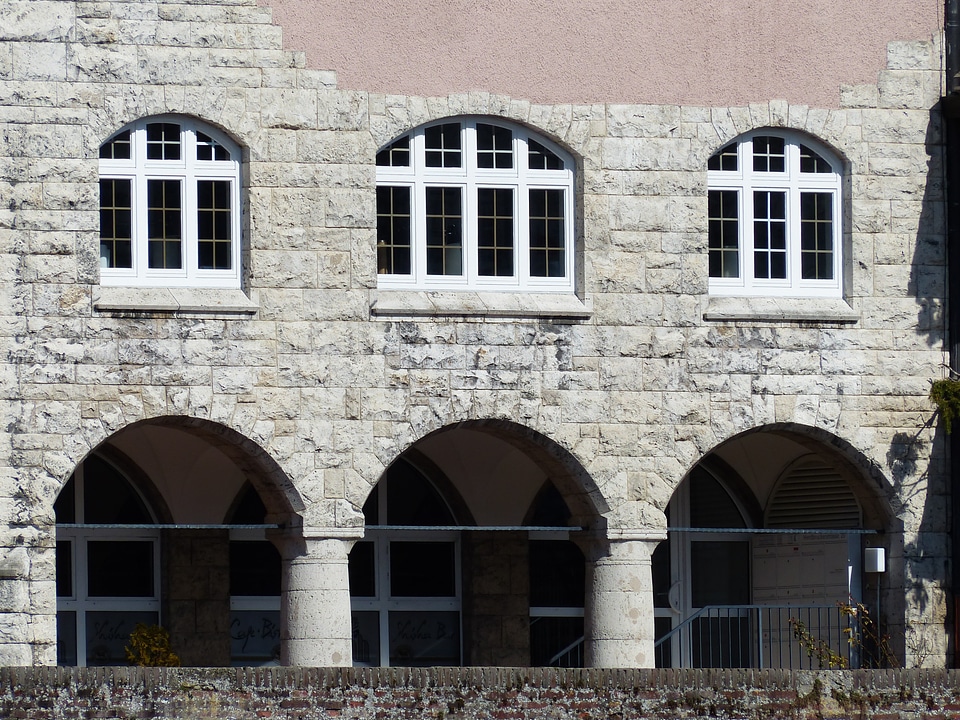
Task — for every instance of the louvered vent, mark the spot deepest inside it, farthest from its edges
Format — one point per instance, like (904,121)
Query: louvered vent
(813,495)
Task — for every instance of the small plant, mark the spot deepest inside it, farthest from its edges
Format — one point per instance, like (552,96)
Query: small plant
(862,634)
(945,393)
(817,648)
(150,647)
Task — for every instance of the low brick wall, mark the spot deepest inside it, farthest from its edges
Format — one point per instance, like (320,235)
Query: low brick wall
(469,693)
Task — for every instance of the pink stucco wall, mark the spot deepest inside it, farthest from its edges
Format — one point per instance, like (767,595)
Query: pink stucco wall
(705,52)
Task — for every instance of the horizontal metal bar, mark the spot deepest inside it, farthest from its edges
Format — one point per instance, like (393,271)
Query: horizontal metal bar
(476,528)
(161,526)
(776,531)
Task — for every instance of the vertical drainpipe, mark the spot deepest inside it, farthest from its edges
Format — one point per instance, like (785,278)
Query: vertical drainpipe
(950,107)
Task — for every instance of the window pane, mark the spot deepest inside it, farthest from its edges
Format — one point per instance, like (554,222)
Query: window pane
(214,228)
(362,568)
(210,149)
(660,565)
(547,234)
(108,633)
(115,224)
(419,639)
(164,224)
(444,231)
(724,159)
(724,232)
(422,569)
(811,162)
(67,638)
(393,230)
(254,636)
(539,158)
(163,141)
(120,568)
(397,154)
(117,148)
(64,568)
(494,146)
(254,568)
(495,232)
(769,235)
(769,154)
(366,637)
(816,236)
(443,145)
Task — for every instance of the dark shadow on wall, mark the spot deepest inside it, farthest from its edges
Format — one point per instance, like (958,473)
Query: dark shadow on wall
(917,465)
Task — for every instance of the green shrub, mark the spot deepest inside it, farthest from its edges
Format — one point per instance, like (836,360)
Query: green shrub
(150,647)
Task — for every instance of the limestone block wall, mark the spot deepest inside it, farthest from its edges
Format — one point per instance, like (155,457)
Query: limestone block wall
(328,380)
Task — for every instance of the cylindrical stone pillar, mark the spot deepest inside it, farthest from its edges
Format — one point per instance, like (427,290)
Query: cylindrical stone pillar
(315,602)
(618,620)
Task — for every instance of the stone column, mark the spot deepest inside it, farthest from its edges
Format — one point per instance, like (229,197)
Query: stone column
(315,598)
(618,618)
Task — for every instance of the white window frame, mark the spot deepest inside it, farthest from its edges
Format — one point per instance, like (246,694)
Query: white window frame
(745,181)
(188,170)
(80,602)
(469,177)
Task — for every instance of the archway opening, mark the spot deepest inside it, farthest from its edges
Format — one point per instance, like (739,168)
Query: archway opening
(467,557)
(764,559)
(157,526)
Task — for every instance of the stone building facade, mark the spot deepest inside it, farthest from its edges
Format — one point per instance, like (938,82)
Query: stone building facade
(304,452)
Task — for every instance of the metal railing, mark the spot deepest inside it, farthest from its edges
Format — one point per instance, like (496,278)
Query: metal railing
(759,636)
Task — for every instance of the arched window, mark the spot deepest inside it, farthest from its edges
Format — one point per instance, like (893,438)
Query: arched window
(775,217)
(474,204)
(108,577)
(170,206)
(405,577)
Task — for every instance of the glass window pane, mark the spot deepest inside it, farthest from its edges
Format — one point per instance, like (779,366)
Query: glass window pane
(811,162)
(214,226)
(163,141)
(64,568)
(444,231)
(65,508)
(254,637)
(108,634)
(660,564)
(115,223)
(362,567)
(393,230)
(540,158)
(816,235)
(769,154)
(423,638)
(366,637)
(66,637)
(494,146)
(547,233)
(443,147)
(724,233)
(495,239)
(397,154)
(422,569)
(210,149)
(117,148)
(120,568)
(724,159)
(255,568)
(164,224)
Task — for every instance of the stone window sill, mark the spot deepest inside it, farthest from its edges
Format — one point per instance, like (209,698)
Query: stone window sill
(766,309)
(419,304)
(176,301)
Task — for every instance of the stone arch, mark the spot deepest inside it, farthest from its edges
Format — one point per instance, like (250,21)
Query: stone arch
(567,472)
(277,490)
